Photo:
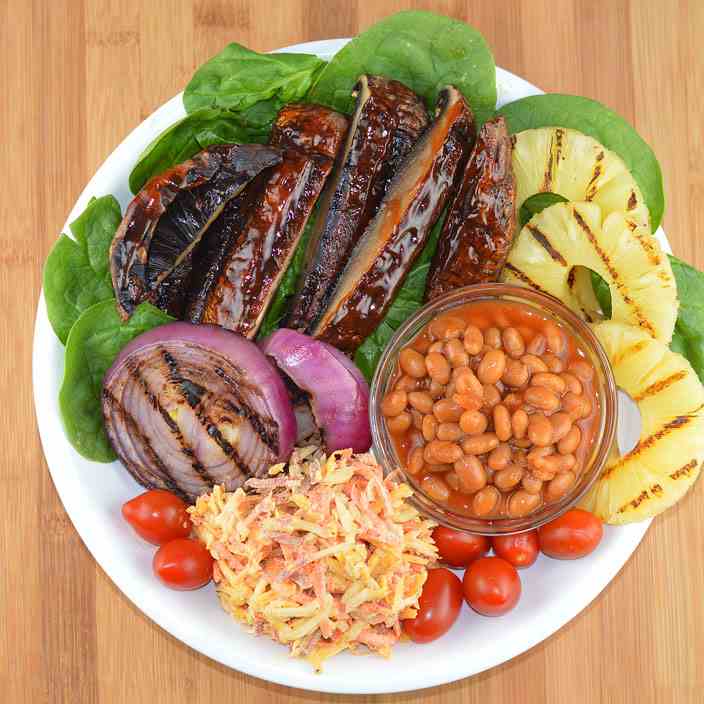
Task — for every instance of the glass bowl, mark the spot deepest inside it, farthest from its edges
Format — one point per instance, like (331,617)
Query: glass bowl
(604,387)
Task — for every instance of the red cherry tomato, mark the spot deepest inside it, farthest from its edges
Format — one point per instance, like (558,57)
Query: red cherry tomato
(440,604)
(158,516)
(572,535)
(492,586)
(520,550)
(458,548)
(183,564)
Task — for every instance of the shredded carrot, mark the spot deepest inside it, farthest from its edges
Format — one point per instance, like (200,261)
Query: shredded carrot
(326,558)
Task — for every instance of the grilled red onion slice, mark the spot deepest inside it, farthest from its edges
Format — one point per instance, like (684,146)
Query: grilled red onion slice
(190,406)
(339,394)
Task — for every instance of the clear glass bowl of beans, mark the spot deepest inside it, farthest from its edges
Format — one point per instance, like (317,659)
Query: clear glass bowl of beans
(499,406)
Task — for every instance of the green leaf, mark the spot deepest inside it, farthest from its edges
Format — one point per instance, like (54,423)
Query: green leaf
(194,133)
(239,78)
(688,338)
(77,272)
(596,120)
(408,300)
(536,204)
(602,293)
(424,51)
(93,344)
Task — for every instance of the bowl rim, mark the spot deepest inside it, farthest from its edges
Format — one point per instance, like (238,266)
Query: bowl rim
(383,447)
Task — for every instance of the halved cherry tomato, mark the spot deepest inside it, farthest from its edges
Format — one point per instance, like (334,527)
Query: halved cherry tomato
(458,548)
(183,564)
(440,604)
(520,550)
(491,586)
(158,516)
(572,535)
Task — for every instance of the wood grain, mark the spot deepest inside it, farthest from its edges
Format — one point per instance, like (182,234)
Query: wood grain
(76,76)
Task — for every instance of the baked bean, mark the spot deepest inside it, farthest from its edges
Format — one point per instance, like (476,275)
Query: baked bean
(394,403)
(537,345)
(543,474)
(442,452)
(523,443)
(492,338)
(542,398)
(447,327)
(437,346)
(412,363)
(448,431)
(492,367)
(456,354)
(480,444)
(471,474)
(551,381)
(551,464)
(539,430)
(429,428)
(400,423)
(568,462)
(450,390)
(559,486)
(436,390)
(406,383)
(422,401)
(555,339)
(438,367)
(508,478)
(466,382)
(570,442)
(499,457)
(553,363)
(447,411)
(492,396)
(516,373)
(452,480)
(532,484)
(502,422)
(485,501)
(435,488)
(519,423)
(534,364)
(572,383)
(473,340)
(513,342)
(417,419)
(577,406)
(469,401)
(513,401)
(561,425)
(473,422)
(522,503)
(416,461)
(582,370)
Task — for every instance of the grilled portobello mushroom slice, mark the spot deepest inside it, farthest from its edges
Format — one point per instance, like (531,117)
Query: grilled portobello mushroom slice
(255,254)
(168,217)
(399,231)
(388,120)
(481,221)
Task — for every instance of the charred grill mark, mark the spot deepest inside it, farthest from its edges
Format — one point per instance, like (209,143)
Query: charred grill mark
(544,242)
(522,276)
(643,322)
(596,172)
(684,471)
(625,354)
(191,392)
(646,242)
(632,201)
(553,161)
(661,385)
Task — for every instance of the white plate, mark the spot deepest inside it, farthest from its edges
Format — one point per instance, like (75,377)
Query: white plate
(553,591)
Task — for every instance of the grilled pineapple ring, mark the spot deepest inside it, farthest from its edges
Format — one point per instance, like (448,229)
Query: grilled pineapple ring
(577,167)
(669,454)
(624,254)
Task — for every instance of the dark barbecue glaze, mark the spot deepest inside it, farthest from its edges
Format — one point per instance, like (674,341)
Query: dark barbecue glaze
(481,222)
(398,233)
(167,218)
(257,254)
(388,120)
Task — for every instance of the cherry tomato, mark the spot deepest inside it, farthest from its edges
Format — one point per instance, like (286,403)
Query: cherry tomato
(520,550)
(440,604)
(158,516)
(572,535)
(183,564)
(458,548)
(492,586)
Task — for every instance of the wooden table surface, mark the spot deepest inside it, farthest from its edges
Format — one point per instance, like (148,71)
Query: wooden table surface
(77,76)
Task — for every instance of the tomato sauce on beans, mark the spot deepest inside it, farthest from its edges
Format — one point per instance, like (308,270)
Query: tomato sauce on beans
(492,410)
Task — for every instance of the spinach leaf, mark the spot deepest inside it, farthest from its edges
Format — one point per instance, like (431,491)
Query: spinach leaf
(596,120)
(77,271)
(408,299)
(602,293)
(194,133)
(688,338)
(536,204)
(239,78)
(424,51)
(93,343)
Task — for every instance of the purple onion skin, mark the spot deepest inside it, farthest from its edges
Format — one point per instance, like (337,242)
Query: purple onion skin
(338,390)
